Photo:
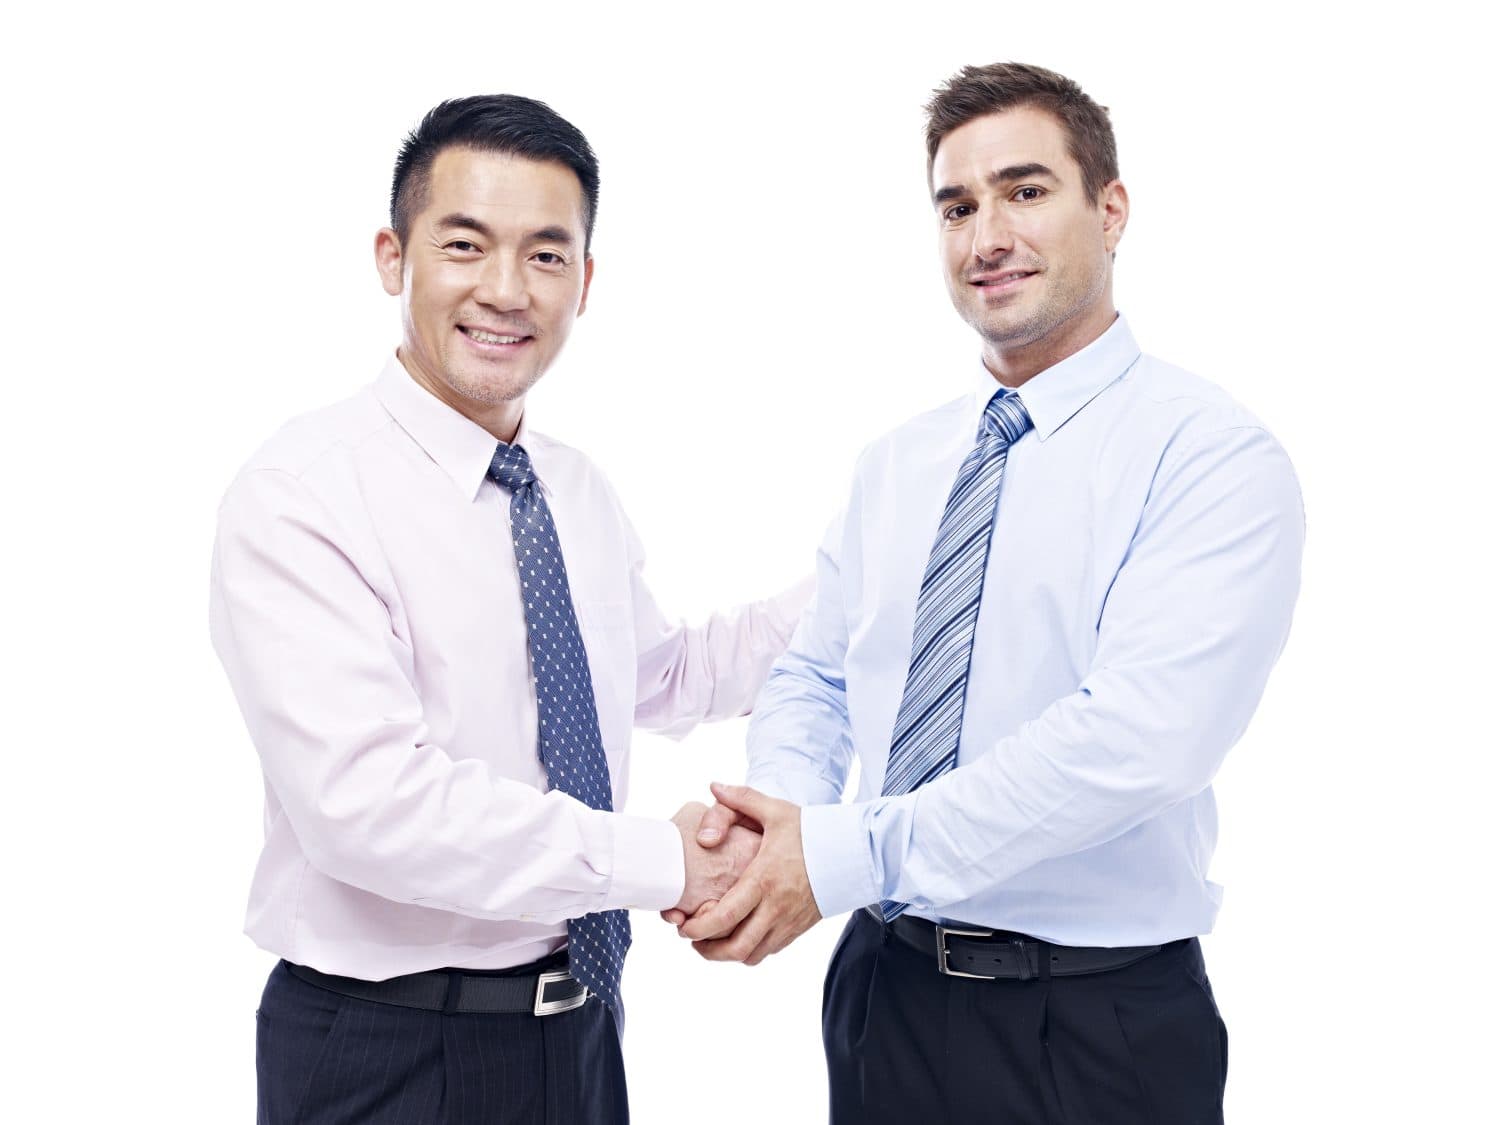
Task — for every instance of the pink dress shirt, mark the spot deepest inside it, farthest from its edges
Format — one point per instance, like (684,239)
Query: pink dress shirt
(365,605)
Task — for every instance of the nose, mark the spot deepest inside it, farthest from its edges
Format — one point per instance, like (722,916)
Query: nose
(502,285)
(993,234)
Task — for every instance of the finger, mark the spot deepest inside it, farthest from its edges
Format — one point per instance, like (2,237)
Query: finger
(717,920)
(769,944)
(677,917)
(706,904)
(740,944)
(741,798)
(715,825)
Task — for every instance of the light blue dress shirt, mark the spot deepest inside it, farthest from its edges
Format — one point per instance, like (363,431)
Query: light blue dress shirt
(1139,587)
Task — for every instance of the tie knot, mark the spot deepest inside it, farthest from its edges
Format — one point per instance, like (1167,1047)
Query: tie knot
(511,467)
(1005,417)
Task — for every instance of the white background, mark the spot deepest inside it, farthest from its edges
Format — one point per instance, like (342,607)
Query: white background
(190,200)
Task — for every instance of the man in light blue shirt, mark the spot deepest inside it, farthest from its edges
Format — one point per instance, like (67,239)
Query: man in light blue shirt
(1047,611)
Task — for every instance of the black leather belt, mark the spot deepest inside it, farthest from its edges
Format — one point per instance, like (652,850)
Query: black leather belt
(1001,955)
(449,990)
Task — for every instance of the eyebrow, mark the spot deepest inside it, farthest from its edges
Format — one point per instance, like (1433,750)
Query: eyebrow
(459,221)
(551,234)
(1005,175)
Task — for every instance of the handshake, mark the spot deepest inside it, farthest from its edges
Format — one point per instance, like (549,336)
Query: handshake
(747,895)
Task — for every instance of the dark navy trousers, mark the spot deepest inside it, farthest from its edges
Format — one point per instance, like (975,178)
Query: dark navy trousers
(1139,1045)
(326,1059)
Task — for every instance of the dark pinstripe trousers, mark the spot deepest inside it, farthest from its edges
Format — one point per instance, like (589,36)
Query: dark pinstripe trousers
(326,1059)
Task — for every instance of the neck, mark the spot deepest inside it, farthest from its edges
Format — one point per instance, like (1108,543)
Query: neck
(501,419)
(1012,366)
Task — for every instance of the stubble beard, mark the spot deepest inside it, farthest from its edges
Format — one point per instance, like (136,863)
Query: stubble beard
(495,390)
(1056,311)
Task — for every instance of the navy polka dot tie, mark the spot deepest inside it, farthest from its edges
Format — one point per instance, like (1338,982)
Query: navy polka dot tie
(567,722)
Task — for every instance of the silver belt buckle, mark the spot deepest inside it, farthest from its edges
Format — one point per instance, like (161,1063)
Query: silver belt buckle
(943,933)
(544,1007)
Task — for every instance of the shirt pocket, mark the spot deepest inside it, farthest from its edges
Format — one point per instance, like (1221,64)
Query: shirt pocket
(603,618)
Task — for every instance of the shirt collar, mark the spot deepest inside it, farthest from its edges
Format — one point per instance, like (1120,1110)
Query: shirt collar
(461,448)
(1053,396)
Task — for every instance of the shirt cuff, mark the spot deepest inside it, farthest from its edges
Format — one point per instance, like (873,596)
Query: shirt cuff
(840,865)
(649,871)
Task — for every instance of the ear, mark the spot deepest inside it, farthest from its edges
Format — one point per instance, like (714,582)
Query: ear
(1114,205)
(588,276)
(388,260)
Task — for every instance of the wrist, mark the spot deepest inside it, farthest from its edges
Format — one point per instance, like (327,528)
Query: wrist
(649,870)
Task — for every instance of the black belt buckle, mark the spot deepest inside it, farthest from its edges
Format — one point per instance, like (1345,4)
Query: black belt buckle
(943,934)
(544,1007)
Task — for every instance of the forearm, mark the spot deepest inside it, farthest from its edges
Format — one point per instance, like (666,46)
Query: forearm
(691,674)
(374,806)
(798,744)
(1089,769)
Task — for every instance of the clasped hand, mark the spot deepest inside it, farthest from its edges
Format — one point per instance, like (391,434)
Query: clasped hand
(770,904)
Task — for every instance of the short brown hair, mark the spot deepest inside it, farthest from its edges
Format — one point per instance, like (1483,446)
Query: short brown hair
(977,90)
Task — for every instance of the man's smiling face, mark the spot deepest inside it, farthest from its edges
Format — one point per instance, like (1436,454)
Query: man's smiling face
(491,276)
(1026,252)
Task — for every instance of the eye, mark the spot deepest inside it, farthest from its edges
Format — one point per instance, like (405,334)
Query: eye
(462,246)
(550,258)
(958,211)
(1028,194)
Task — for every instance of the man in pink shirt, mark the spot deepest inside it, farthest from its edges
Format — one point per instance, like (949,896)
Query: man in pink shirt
(435,623)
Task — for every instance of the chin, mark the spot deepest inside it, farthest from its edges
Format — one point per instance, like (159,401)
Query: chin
(502,393)
(489,389)
(1005,330)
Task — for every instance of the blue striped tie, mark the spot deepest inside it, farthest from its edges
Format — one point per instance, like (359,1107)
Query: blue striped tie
(925,742)
(567,722)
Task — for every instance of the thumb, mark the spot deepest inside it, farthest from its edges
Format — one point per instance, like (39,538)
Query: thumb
(741,798)
(715,825)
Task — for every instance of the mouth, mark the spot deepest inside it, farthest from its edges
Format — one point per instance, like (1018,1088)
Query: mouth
(494,342)
(1000,281)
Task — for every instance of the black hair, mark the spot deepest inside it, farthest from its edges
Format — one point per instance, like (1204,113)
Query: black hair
(503,123)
